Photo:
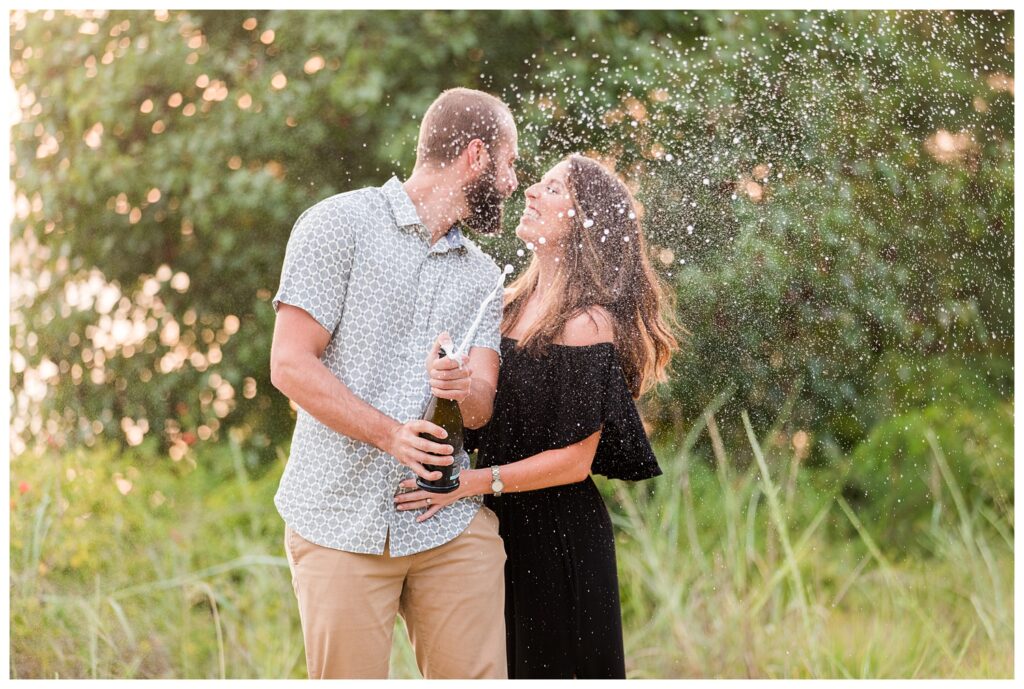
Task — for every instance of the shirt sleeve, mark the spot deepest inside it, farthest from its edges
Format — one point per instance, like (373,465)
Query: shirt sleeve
(317,266)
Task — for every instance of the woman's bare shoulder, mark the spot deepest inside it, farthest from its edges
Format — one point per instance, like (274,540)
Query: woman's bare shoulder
(593,326)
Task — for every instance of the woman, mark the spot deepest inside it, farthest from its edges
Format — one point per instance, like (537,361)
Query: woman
(585,331)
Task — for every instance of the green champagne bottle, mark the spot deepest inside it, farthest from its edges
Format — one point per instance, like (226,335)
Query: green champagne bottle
(446,414)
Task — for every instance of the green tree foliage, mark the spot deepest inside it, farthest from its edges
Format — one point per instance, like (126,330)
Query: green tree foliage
(847,178)
(839,189)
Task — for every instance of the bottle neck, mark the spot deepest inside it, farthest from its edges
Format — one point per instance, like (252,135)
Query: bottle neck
(447,405)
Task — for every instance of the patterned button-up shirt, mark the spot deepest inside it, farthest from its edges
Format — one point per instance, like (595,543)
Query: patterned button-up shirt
(361,264)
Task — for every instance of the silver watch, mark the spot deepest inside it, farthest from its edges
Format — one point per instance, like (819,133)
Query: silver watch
(496,485)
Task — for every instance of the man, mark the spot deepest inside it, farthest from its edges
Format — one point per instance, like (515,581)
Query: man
(373,280)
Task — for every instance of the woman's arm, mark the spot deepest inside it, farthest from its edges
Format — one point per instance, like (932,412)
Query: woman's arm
(570,464)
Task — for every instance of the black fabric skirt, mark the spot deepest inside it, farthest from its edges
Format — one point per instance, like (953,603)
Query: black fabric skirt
(562,612)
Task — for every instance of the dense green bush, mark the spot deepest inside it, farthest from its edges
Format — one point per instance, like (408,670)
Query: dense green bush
(167,154)
(896,475)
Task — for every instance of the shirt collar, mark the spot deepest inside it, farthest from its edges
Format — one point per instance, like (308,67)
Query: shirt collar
(404,212)
(401,205)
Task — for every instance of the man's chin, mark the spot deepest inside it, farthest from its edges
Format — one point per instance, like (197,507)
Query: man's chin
(489,227)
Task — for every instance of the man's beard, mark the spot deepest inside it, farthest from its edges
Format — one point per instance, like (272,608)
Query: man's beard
(485,203)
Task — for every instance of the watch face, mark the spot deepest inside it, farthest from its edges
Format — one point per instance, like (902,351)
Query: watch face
(497,486)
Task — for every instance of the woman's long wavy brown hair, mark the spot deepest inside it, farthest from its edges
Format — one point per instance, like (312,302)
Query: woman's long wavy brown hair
(604,264)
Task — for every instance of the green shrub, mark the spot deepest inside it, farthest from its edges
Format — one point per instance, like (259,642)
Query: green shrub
(894,477)
(871,241)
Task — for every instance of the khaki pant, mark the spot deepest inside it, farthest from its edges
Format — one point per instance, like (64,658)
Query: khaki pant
(452,599)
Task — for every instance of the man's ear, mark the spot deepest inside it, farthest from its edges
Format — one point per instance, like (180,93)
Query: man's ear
(477,156)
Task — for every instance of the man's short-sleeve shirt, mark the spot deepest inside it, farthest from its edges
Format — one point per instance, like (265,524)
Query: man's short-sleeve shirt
(362,265)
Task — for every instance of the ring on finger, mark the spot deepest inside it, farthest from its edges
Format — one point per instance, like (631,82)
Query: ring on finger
(428,502)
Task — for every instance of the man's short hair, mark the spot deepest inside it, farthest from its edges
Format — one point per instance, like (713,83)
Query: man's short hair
(457,117)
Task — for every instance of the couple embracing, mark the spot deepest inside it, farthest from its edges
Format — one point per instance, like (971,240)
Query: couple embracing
(513,573)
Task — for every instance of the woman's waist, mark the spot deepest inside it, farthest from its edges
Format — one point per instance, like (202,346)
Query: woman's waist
(551,513)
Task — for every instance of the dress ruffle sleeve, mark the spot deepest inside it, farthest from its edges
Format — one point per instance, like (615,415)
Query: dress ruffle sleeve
(591,394)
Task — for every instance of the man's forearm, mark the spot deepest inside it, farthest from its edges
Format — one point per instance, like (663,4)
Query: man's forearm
(311,385)
(477,407)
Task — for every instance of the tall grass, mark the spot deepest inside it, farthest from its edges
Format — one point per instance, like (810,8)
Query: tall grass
(126,565)
(732,572)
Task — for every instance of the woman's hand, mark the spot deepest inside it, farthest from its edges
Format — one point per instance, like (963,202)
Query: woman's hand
(419,499)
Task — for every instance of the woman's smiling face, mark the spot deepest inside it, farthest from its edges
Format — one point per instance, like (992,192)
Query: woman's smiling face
(549,210)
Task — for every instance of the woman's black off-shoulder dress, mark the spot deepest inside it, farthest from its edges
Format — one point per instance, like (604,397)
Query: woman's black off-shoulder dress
(561,590)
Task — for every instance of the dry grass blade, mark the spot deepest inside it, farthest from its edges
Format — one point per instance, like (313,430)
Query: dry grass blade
(780,524)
